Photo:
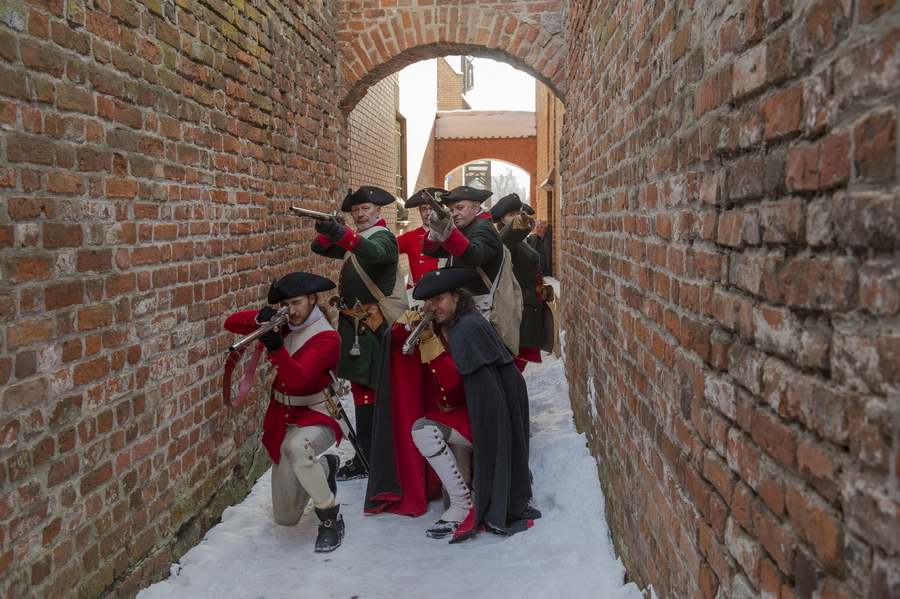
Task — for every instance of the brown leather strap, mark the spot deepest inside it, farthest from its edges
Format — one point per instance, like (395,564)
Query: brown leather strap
(372,317)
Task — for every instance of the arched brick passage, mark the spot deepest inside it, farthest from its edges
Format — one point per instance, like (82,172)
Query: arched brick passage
(375,42)
(451,153)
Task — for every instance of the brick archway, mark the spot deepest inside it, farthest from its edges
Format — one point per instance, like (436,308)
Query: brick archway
(451,153)
(374,43)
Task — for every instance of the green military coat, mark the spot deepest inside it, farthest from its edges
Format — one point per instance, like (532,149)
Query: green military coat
(377,254)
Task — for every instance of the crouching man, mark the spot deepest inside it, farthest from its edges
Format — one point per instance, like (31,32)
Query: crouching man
(493,490)
(298,428)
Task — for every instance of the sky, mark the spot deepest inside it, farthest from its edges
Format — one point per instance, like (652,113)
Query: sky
(499,86)
(567,554)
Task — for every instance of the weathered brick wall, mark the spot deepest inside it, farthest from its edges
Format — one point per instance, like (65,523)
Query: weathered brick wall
(147,150)
(450,85)
(373,159)
(549,113)
(732,246)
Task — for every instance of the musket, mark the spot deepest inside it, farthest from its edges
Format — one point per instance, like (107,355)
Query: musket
(336,409)
(319,216)
(427,317)
(435,205)
(278,321)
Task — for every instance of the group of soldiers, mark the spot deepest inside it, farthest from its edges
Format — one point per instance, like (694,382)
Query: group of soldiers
(441,407)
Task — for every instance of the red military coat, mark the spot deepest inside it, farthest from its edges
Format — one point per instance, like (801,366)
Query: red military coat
(305,372)
(410,243)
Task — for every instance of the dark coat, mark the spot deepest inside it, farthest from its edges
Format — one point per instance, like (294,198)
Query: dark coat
(548,251)
(481,246)
(497,399)
(526,269)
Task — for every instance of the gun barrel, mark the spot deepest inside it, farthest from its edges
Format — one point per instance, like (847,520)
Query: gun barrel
(310,213)
(414,335)
(278,321)
(435,205)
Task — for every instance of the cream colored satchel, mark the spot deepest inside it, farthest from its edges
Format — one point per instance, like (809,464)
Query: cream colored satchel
(503,305)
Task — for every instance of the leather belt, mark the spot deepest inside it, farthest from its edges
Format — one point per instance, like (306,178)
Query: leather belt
(299,400)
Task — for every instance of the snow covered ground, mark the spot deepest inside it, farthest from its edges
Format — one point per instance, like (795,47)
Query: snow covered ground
(567,554)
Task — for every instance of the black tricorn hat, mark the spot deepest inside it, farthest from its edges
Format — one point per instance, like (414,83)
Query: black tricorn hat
(463,192)
(296,284)
(418,198)
(507,204)
(442,280)
(366,195)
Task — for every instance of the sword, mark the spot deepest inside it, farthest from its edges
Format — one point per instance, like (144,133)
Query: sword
(336,409)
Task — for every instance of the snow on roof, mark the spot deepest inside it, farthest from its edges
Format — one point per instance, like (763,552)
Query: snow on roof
(482,124)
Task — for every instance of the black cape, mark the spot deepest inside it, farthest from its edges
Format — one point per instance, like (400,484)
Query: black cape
(497,399)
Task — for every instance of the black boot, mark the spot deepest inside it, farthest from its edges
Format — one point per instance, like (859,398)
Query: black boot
(334,463)
(331,529)
(351,470)
(441,529)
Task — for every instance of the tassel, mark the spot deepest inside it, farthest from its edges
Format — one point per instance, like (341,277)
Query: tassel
(354,351)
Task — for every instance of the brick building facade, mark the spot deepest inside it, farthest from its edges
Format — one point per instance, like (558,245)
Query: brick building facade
(730,241)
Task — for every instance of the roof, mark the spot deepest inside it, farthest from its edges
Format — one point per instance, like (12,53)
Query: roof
(484,124)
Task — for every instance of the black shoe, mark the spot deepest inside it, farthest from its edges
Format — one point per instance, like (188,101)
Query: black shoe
(331,529)
(351,470)
(334,463)
(441,529)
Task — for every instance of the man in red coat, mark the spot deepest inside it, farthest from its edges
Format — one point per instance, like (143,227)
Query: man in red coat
(411,242)
(468,405)
(298,428)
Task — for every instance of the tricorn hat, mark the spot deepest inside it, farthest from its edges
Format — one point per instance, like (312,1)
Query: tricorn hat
(464,192)
(366,195)
(296,284)
(418,198)
(442,280)
(507,204)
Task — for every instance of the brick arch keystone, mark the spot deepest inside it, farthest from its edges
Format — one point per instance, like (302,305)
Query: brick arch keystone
(377,38)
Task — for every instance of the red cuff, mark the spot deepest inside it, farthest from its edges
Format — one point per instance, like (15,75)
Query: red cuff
(456,244)
(322,240)
(429,245)
(350,240)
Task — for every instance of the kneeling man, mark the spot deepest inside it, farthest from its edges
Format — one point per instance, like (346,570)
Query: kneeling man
(298,428)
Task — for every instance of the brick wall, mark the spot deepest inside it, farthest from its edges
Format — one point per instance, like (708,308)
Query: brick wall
(147,150)
(451,154)
(450,92)
(547,184)
(373,144)
(732,243)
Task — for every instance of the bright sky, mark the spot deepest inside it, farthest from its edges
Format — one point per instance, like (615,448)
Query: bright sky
(499,86)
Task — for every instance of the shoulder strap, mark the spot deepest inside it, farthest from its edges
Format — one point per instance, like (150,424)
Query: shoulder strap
(373,289)
(487,281)
(363,274)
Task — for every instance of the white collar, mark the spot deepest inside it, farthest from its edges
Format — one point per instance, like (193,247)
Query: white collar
(315,315)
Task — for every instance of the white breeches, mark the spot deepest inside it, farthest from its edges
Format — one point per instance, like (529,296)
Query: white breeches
(300,475)
(452,464)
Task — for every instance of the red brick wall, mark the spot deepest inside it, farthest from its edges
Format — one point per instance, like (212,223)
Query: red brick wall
(549,112)
(147,151)
(372,142)
(732,238)
(451,153)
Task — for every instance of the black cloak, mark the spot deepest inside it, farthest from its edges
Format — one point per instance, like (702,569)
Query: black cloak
(497,399)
